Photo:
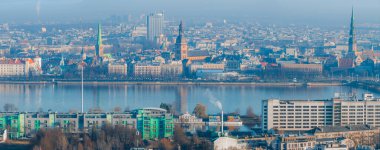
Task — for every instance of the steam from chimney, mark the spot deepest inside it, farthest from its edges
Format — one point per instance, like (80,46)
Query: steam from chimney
(218,104)
(213,100)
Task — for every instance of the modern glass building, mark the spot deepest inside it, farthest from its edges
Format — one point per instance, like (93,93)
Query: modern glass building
(154,123)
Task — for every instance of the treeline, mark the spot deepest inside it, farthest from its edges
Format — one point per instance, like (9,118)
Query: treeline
(114,138)
(107,137)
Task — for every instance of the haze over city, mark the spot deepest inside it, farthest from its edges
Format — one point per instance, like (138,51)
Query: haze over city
(190,74)
(309,12)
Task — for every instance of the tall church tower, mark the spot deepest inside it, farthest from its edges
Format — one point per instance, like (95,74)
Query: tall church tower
(352,46)
(99,44)
(180,45)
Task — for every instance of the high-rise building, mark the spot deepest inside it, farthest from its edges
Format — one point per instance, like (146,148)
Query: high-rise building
(155,25)
(180,48)
(99,44)
(307,114)
(352,46)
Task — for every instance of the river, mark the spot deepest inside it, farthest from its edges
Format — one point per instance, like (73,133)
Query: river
(67,97)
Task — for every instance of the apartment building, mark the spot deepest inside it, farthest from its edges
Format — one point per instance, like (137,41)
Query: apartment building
(20,124)
(13,67)
(307,114)
(147,70)
(209,66)
(118,69)
(20,67)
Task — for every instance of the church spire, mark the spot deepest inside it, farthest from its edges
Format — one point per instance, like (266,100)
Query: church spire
(99,44)
(181,44)
(62,62)
(180,29)
(83,54)
(352,47)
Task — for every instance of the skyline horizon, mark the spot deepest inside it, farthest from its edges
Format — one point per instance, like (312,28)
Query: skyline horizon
(278,12)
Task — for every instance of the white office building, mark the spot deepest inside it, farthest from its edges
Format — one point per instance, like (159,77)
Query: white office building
(307,114)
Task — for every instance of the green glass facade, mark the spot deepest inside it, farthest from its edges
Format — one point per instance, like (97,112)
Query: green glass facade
(14,123)
(154,125)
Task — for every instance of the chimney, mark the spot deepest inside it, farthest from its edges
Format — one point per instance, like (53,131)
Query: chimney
(222,123)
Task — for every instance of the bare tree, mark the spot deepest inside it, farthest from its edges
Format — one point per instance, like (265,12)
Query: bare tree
(117,109)
(166,144)
(250,112)
(9,107)
(200,111)
(50,139)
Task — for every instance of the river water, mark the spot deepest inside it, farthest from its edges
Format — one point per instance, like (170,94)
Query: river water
(64,98)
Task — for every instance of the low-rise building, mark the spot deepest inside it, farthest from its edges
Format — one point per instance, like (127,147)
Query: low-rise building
(301,70)
(208,66)
(154,123)
(118,69)
(20,67)
(228,120)
(173,69)
(13,67)
(147,70)
(359,134)
(225,143)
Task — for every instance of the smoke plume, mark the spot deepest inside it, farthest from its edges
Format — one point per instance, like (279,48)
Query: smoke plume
(213,99)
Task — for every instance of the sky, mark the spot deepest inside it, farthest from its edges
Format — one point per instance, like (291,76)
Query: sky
(325,12)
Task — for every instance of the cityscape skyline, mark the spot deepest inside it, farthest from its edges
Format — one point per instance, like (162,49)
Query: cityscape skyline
(176,74)
(278,12)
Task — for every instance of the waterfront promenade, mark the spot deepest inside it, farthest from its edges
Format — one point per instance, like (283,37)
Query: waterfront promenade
(274,84)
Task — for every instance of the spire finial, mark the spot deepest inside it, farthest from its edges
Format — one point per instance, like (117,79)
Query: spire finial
(180,30)
(352,14)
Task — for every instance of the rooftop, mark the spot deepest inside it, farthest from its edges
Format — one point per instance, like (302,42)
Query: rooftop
(327,129)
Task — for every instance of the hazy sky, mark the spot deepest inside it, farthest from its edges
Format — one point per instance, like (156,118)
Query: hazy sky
(335,12)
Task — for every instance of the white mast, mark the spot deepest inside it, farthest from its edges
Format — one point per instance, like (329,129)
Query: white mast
(82,85)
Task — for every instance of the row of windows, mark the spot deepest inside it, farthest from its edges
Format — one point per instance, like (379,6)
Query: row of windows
(297,124)
(299,120)
(302,106)
(291,127)
(292,106)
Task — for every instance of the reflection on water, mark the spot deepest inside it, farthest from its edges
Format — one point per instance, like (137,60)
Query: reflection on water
(32,97)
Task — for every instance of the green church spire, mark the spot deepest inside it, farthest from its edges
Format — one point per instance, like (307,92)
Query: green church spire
(352,47)
(99,41)
(99,44)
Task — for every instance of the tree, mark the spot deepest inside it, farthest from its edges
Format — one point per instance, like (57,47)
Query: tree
(251,118)
(237,111)
(107,137)
(117,109)
(50,139)
(9,107)
(200,111)
(166,144)
(250,112)
(167,107)
(127,109)
(179,136)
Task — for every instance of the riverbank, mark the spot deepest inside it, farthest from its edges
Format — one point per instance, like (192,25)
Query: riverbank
(280,84)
